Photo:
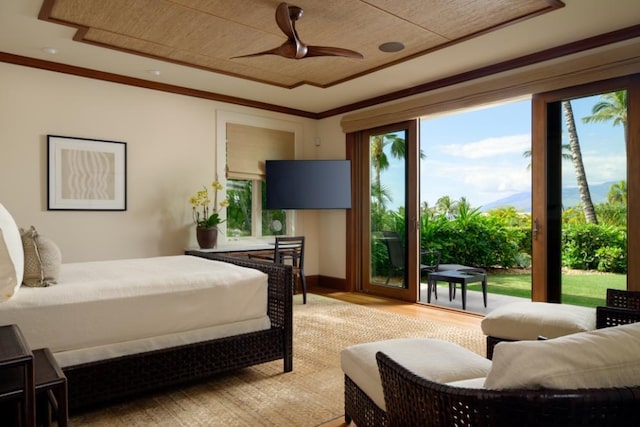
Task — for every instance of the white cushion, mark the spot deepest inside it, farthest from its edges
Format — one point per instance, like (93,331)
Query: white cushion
(528,320)
(602,358)
(471,383)
(436,360)
(11,256)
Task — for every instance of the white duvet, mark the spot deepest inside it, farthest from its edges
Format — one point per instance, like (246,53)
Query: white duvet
(108,308)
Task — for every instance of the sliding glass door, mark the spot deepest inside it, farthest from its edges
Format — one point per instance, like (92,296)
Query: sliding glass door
(586,183)
(389,232)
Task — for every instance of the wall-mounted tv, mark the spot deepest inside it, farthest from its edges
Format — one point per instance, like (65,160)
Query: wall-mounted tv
(308,184)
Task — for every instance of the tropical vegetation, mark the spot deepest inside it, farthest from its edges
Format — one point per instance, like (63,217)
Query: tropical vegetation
(593,235)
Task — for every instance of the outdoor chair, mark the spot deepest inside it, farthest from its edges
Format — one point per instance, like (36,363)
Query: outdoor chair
(430,260)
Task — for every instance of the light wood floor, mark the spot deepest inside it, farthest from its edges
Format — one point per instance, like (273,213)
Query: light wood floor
(420,311)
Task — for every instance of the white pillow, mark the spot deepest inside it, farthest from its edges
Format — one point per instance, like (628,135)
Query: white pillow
(11,256)
(603,358)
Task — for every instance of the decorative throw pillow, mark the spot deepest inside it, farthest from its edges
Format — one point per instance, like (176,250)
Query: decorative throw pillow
(42,259)
(11,256)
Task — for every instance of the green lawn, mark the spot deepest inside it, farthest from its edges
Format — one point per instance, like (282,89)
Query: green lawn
(586,289)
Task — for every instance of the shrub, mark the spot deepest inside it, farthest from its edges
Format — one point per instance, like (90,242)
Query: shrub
(582,244)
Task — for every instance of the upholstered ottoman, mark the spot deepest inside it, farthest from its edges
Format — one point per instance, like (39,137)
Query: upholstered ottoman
(528,320)
(437,360)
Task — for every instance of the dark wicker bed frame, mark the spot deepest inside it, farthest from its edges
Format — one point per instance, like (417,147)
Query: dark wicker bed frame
(105,381)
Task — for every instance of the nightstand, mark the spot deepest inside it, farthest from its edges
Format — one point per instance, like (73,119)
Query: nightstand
(51,388)
(17,376)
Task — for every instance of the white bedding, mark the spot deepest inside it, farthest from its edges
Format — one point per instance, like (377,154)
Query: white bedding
(108,308)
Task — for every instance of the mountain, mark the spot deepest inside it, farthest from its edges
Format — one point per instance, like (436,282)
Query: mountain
(570,197)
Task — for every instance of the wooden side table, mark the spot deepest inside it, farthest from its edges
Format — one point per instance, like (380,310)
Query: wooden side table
(17,376)
(51,388)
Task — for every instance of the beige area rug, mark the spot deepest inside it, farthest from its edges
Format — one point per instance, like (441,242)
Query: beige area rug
(265,396)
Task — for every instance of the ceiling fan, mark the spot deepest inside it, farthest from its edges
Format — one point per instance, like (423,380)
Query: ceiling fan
(294,48)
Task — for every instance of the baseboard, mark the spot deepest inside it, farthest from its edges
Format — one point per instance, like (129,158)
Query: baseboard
(327,282)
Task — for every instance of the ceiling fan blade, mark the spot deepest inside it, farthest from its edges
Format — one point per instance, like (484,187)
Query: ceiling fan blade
(286,50)
(283,19)
(332,51)
(294,48)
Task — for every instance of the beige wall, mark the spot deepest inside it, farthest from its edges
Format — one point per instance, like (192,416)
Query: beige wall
(171,151)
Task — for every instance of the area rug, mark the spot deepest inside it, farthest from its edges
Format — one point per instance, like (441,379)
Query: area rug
(265,396)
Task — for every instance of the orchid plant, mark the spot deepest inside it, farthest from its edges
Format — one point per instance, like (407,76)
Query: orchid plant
(201,206)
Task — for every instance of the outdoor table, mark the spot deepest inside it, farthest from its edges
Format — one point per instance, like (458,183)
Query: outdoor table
(457,276)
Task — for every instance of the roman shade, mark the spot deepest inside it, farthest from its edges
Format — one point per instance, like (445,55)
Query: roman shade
(248,147)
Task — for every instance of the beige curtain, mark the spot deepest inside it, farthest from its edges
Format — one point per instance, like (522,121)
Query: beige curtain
(586,67)
(248,147)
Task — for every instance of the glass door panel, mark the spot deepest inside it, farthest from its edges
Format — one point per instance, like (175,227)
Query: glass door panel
(594,197)
(389,232)
(388,210)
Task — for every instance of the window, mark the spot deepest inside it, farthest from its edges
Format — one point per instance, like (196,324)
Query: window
(247,207)
(247,149)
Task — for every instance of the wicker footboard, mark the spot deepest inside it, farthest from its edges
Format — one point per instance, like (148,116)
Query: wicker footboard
(104,381)
(359,408)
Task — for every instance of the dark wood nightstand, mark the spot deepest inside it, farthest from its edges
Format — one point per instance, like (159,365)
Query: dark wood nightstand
(51,388)
(17,376)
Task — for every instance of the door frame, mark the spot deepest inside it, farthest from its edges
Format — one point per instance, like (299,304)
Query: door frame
(546,194)
(358,218)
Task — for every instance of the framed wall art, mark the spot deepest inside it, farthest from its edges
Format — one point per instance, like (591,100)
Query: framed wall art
(86,174)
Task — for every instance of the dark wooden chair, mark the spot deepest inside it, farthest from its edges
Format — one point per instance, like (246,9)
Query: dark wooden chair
(289,250)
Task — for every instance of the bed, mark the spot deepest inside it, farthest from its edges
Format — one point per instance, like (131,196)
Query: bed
(124,327)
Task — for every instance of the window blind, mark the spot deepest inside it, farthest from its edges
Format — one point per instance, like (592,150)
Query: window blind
(248,147)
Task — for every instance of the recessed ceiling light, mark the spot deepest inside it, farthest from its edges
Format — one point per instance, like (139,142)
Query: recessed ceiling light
(391,47)
(50,50)
(154,72)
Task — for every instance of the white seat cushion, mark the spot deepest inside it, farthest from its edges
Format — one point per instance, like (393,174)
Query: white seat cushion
(596,359)
(436,360)
(528,320)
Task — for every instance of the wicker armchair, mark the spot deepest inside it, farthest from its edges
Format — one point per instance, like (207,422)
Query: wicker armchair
(415,401)
(622,307)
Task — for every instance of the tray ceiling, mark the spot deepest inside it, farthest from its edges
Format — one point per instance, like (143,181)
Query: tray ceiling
(206,34)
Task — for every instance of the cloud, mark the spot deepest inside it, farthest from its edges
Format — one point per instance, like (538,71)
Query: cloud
(489,147)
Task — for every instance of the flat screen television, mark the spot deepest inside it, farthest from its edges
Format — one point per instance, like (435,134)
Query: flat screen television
(308,184)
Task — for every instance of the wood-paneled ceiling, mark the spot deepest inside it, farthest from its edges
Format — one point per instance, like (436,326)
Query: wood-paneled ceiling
(207,34)
(186,46)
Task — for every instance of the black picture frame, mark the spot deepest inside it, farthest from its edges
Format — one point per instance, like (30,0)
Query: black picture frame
(86,174)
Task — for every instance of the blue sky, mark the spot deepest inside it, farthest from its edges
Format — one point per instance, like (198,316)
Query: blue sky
(478,153)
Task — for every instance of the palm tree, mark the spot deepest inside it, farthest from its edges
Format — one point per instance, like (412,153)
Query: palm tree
(618,193)
(447,207)
(576,157)
(613,106)
(380,161)
(566,154)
